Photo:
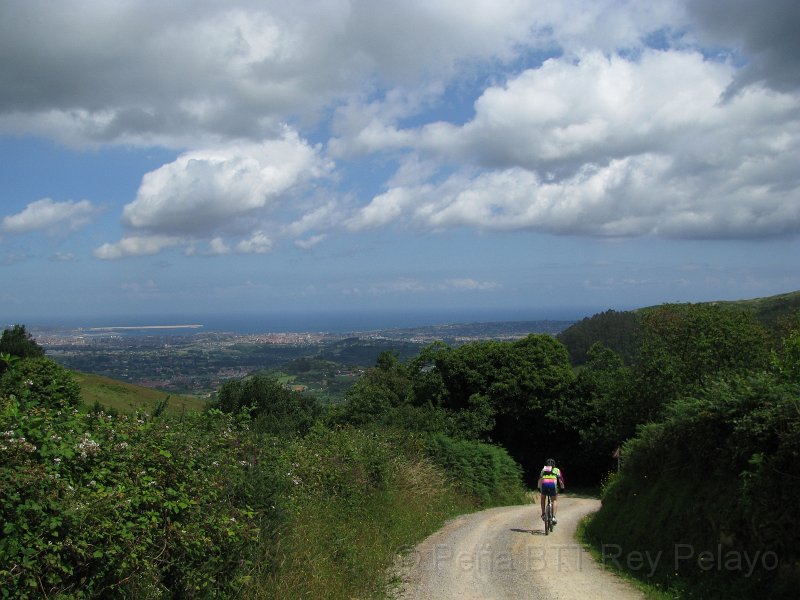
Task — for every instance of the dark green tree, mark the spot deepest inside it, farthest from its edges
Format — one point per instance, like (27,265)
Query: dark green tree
(687,346)
(517,388)
(618,331)
(17,343)
(274,408)
(40,382)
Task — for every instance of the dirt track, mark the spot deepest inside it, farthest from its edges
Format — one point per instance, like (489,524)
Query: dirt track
(504,553)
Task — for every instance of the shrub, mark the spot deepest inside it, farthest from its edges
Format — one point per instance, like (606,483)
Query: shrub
(720,474)
(40,382)
(93,505)
(484,471)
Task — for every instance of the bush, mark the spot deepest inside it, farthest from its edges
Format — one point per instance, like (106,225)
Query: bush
(355,499)
(720,474)
(275,409)
(93,505)
(484,471)
(40,382)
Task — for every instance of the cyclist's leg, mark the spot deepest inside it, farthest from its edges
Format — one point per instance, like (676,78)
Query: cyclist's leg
(543,499)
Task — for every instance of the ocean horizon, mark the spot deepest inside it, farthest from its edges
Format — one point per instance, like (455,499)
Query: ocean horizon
(331,321)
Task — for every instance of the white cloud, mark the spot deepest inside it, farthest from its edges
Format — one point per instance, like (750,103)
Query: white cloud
(137,246)
(205,190)
(258,243)
(324,216)
(634,196)
(308,243)
(414,286)
(609,137)
(218,246)
(386,207)
(48,214)
(171,74)
(611,146)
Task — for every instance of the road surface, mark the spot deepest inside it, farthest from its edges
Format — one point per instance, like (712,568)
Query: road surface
(503,553)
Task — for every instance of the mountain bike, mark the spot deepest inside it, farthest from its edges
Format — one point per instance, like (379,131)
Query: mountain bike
(549,518)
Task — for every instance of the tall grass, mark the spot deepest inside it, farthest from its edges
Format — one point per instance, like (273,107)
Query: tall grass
(339,541)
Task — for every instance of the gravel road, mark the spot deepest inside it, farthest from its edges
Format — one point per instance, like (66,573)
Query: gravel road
(504,553)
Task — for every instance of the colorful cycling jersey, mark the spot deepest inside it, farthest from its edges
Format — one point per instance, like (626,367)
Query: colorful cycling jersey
(551,477)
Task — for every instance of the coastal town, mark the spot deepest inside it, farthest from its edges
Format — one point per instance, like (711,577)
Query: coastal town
(186,359)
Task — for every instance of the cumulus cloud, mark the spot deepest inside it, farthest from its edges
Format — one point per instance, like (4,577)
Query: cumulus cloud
(611,146)
(593,117)
(218,246)
(325,216)
(308,243)
(48,214)
(633,196)
(137,246)
(172,74)
(258,243)
(204,189)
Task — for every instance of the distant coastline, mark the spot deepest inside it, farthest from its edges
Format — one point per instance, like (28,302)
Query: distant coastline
(136,327)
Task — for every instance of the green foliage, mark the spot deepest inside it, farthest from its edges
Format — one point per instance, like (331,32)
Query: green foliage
(600,410)
(98,506)
(274,408)
(129,398)
(498,391)
(719,474)
(703,341)
(787,363)
(355,499)
(40,382)
(19,343)
(618,331)
(684,348)
(483,470)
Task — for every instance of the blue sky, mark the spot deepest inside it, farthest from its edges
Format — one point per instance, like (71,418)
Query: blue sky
(544,157)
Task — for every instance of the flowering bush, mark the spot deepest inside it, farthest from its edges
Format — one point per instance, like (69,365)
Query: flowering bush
(94,505)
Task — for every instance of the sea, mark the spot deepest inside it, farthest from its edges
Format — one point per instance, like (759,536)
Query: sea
(331,321)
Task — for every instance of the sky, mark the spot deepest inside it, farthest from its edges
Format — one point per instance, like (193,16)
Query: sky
(549,157)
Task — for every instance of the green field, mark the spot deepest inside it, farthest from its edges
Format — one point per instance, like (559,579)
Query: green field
(129,398)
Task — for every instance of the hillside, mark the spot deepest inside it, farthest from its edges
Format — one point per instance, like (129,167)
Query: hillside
(771,309)
(128,398)
(620,330)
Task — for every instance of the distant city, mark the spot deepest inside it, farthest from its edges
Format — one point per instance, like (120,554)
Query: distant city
(184,358)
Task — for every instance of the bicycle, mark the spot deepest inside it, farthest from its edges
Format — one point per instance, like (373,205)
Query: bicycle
(549,518)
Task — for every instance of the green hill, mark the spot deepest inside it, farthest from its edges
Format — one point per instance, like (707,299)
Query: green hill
(128,398)
(620,330)
(770,310)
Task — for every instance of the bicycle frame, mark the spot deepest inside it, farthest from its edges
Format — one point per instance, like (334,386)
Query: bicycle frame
(548,516)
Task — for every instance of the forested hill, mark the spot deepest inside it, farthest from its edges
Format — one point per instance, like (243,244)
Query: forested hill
(621,330)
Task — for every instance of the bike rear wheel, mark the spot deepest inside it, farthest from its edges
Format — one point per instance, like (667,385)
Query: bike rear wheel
(548,517)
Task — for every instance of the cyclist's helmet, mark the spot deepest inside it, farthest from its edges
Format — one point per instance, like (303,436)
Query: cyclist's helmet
(550,462)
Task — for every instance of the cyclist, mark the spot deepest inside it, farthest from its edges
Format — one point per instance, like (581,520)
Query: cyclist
(551,482)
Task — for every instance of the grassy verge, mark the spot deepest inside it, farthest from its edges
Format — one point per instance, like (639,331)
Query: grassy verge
(357,501)
(340,542)
(129,398)
(651,590)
